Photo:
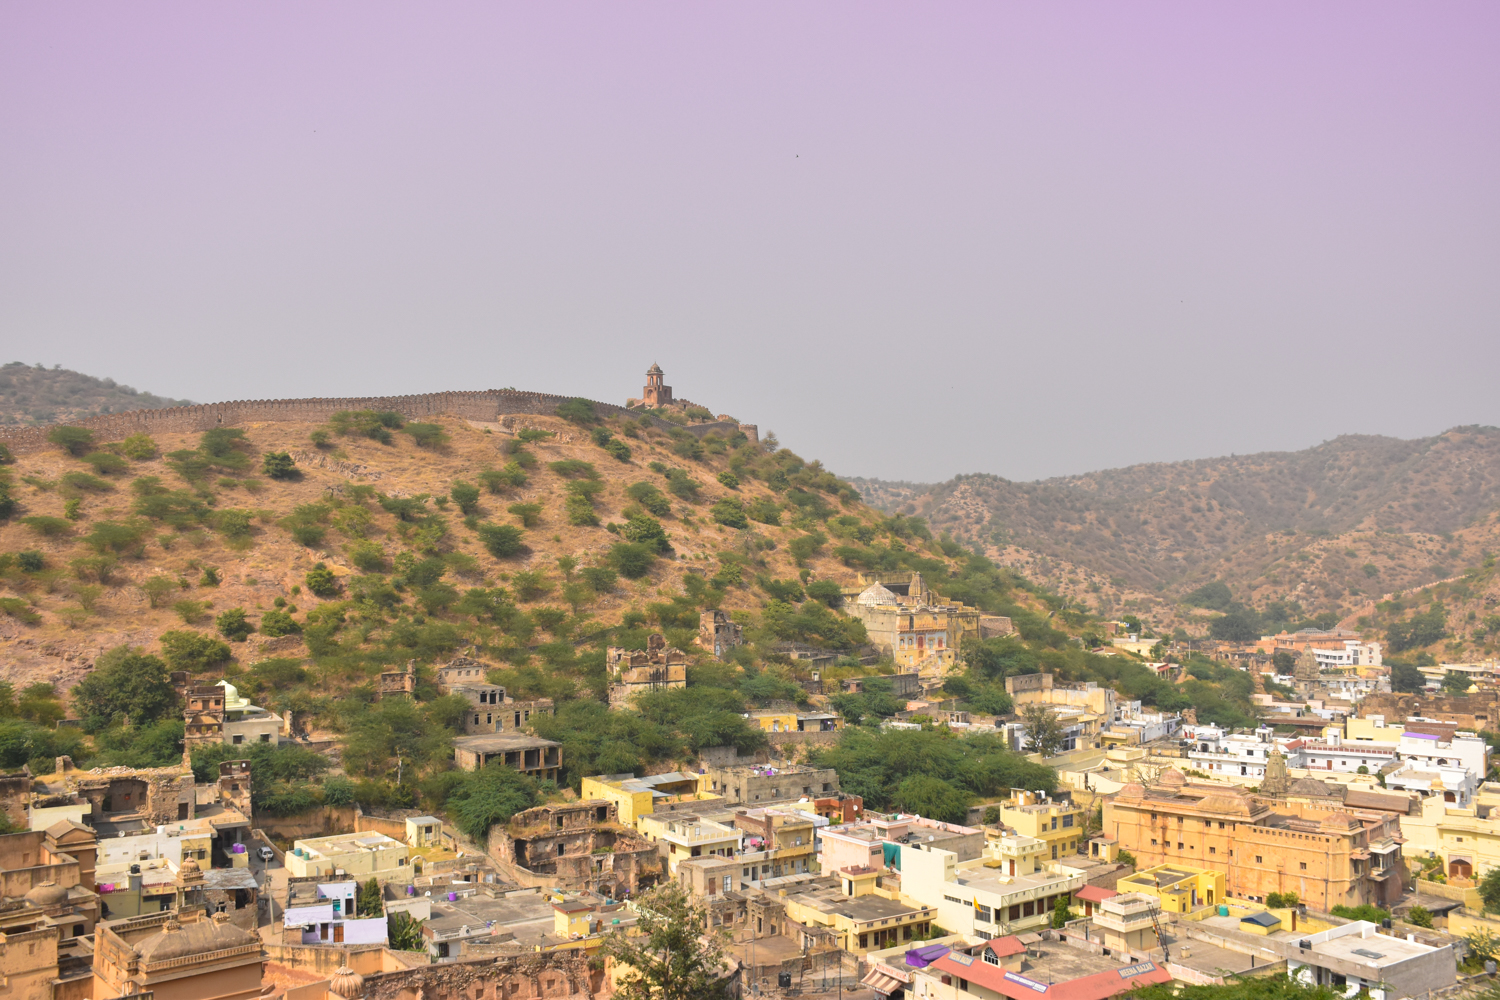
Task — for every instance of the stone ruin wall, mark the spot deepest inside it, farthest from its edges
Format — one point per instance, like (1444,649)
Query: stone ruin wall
(484,406)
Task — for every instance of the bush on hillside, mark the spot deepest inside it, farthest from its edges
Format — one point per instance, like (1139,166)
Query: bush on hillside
(76,441)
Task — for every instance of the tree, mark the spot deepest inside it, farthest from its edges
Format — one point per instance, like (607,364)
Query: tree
(529,513)
(279,465)
(1241,625)
(125,682)
(405,932)
(194,652)
(1419,916)
(1489,890)
(275,623)
(1456,683)
(233,625)
(370,902)
(466,495)
(632,559)
(1405,677)
(490,795)
(1060,912)
(502,540)
(578,410)
(1284,662)
(76,441)
(1214,595)
(1044,734)
(157,589)
(321,581)
(427,435)
(670,957)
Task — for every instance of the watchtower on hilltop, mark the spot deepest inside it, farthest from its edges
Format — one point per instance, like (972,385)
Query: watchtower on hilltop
(656,393)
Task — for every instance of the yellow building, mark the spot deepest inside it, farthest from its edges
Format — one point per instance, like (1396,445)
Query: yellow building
(572,919)
(1058,824)
(1466,840)
(637,797)
(355,854)
(775,720)
(911,624)
(1180,889)
(682,837)
(1373,730)
(876,918)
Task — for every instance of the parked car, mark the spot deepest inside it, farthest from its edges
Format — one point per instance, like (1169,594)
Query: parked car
(266,854)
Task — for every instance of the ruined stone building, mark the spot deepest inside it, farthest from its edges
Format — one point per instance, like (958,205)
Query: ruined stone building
(718,633)
(553,975)
(633,671)
(399,682)
(910,623)
(575,845)
(215,713)
(1327,853)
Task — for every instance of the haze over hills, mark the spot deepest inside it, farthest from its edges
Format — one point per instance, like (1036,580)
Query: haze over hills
(33,394)
(1330,526)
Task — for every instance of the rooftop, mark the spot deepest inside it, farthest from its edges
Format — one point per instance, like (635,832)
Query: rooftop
(347,843)
(499,742)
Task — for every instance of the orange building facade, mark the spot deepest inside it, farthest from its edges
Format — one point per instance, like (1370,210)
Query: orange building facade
(1327,855)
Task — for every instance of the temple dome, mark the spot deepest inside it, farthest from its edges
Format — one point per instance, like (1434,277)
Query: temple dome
(200,937)
(876,593)
(347,983)
(47,894)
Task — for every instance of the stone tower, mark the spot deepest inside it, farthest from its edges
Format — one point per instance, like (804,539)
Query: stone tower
(656,393)
(1306,671)
(1275,783)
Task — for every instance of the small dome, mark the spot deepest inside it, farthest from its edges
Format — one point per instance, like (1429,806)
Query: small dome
(347,983)
(655,369)
(1172,778)
(189,866)
(875,593)
(47,894)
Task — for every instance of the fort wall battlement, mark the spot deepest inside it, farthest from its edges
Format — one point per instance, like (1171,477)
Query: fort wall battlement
(485,406)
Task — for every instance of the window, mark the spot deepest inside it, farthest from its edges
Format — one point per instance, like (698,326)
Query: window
(1014,913)
(1258,860)
(1067,822)
(1303,865)
(1213,850)
(1179,845)
(1153,841)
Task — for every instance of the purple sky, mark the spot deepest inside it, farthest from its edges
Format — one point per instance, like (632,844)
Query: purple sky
(915,240)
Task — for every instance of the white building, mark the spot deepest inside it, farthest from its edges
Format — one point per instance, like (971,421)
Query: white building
(1464,749)
(1454,783)
(1231,754)
(1354,654)
(977,901)
(327,913)
(1355,956)
(1332,753)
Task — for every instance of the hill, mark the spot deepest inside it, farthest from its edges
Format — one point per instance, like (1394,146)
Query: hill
(36,395)
(1331,529)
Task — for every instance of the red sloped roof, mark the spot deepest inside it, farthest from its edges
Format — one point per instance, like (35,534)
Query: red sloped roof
(1094,894)
(1018,987)
(1006,946)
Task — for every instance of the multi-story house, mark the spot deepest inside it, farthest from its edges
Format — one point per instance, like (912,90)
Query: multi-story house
(1327,856)
(1057,823)
(982,898)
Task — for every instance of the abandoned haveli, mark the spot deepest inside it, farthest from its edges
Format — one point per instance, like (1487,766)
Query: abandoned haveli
(1338,843)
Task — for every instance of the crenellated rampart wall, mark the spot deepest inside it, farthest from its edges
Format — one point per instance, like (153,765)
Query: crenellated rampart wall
(487,405)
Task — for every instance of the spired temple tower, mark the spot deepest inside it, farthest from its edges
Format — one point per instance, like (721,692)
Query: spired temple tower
(656,393)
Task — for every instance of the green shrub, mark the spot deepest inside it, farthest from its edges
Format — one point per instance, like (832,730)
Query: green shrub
(1419,916)
(405,508)
(158,588)
(466,495)
(826,591)
(233,625)
(367,557)
(728,512)
(501,540)
(76,441)
(682,485)
(600,579)
(804,547)
(49,527)
(321,581)
(529,513)
(765,510)
(120,539)
(688,447)
(649,497)
(139,447)
(279,465)
(276,623)
(190,611)
(579,411)
(729,480)
(427,435)
(6,457)
(644,530)
(580,512)
(530,585)
(106,463)
(234,523)
(496,480)
(526,435)
(373,424)
(194,652)
(618,449)
(82,482)
(19,610)
(781,590)
(632,559)
(573,468)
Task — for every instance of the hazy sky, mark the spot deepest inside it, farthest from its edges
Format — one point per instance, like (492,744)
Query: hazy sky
(913,239)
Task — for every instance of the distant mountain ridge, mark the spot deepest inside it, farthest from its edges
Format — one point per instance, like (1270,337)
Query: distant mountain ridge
(1168,527)
(31,395)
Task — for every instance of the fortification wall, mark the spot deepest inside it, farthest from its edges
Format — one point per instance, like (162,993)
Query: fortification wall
(487,405)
